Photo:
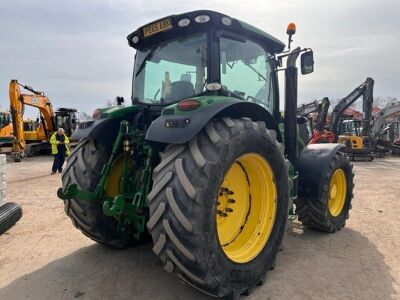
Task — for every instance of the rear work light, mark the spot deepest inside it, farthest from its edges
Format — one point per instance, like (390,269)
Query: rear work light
(188,105)
(183,22)
(202,19)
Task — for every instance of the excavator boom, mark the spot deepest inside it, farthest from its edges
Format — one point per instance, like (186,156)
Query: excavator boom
(36,99)
(364,90)
(320,108)
(380,117)
(16,109)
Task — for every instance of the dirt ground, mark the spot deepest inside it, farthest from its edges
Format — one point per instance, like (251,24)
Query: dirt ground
(45,257)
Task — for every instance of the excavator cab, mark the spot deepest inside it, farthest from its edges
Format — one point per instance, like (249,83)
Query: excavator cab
(5,119)
(358,144)
(351,134)
(6,131)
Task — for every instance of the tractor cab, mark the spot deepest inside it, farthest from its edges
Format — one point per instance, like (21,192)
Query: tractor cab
(203,52)
(191,61)
(66,118)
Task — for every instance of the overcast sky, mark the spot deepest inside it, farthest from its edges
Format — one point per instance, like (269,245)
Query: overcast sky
(76,51)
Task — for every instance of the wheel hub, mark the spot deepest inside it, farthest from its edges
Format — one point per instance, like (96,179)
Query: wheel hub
(337,192)
(246,207)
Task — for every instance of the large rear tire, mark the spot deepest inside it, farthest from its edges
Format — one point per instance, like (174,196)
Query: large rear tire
(83,168)
(10,213)
(218,207)
(330,209)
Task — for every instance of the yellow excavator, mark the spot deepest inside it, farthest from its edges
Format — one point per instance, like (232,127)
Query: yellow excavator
(6,128)
(32,137)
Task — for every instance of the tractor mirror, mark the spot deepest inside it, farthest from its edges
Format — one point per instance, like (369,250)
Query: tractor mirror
(307,62)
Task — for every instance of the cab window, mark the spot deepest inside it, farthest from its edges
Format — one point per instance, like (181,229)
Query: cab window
(245,71)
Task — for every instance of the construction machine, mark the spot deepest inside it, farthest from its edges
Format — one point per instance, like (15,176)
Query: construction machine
(6,129)
(203,161)
(31,131)
(31,137)
(354,134)
(316,113)
(380,128)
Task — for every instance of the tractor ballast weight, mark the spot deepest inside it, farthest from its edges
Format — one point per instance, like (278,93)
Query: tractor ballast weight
(204,164)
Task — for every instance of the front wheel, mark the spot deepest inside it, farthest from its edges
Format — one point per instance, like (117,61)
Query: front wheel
(329,210)
(218,207)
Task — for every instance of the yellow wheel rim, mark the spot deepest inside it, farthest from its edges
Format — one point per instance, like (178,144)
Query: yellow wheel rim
(246,208)
(114,179)
(337,192)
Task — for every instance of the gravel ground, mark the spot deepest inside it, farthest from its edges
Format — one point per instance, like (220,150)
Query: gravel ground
(45,257)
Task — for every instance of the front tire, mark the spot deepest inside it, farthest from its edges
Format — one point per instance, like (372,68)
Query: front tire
(330,209)
(190,200)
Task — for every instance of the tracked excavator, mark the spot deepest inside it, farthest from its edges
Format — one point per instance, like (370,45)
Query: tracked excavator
(36,138)
(354,134)
(380,128)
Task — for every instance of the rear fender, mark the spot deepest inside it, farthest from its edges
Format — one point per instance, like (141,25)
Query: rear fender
(182,128)
(105,129)
(312,165)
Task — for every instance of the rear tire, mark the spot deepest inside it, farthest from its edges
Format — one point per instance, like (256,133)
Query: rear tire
(83,168)
(183,206)
(10,213)
(315,212)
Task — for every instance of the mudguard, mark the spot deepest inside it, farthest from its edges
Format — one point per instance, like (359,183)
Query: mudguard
(102,130)
(105,128)
(178,129)
(312,165)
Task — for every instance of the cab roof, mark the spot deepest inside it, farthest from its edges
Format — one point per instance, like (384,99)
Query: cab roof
(240,28)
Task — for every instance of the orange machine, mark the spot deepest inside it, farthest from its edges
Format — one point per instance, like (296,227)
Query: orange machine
(35,136)
(6,130)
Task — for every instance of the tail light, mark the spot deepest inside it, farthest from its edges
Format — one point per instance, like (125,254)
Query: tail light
(188,105)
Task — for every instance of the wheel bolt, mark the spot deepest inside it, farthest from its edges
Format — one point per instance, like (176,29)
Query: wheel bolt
(221,213)
(231,201)
(228,209)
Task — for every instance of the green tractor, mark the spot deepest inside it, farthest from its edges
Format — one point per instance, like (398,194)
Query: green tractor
(203,161)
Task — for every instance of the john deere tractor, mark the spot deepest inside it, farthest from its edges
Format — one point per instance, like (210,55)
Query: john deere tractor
(203,161)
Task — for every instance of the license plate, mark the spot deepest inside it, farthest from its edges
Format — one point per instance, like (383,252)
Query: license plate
(157,27)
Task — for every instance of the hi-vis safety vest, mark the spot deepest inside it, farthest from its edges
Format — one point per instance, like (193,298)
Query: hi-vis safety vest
(54,142)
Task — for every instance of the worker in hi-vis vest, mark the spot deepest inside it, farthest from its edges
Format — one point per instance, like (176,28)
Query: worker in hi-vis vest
(59,148)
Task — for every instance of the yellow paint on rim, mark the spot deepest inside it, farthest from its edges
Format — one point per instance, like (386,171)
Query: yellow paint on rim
(246,208)
(113,182)
(337,192)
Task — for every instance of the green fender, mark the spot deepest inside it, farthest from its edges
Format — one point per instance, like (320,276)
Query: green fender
(180,128)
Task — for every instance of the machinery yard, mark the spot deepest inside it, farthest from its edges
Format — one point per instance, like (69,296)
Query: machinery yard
(44,257)
(226,169)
